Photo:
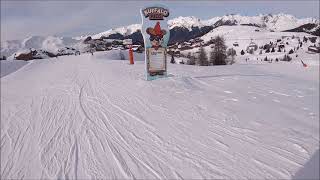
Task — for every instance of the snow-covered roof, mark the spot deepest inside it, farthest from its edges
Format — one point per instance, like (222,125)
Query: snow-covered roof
(252,44)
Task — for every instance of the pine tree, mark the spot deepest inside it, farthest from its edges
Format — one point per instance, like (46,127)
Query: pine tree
(305,39)
(291,51)
(242,52)
(266,58)
(272,50)
(287,58)
(202,59)
(122,57)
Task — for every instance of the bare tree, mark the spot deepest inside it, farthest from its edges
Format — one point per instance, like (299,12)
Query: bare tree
(218,53)
(231,52)
(203,58)
(122,57)
(192,60)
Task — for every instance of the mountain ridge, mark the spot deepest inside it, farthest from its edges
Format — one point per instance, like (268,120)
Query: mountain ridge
(181,29)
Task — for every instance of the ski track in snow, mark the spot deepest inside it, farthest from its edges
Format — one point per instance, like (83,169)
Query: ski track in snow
(79,117)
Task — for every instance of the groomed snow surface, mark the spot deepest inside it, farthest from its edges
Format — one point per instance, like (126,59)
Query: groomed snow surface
(95,117)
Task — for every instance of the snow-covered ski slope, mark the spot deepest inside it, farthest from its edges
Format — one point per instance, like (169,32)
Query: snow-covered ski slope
(89,117)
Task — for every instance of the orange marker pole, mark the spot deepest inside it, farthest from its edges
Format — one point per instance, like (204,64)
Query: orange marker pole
(131,55)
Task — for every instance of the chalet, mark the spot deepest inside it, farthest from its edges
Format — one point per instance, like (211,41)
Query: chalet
(197,40)
(185,48)
(24,56)
(191,40)
(252,46)
(187,43)
(139,49)
(235,44)
(314,49)
(100,47)
(312,39)
(281,45)
(176,53)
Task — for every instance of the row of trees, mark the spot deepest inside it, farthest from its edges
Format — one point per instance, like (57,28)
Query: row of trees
(284,58)
(3,58)
(268,51)
(218,54)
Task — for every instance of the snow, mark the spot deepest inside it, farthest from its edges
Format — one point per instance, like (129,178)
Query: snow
(91,117)
(116,55)
(9,66)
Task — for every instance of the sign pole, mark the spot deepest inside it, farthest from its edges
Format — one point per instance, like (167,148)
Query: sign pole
(128,43)
(131,54)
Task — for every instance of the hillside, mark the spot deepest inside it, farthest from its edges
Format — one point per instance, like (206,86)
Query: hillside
(72,118)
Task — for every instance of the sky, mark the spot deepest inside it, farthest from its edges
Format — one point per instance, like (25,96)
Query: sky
(20,19)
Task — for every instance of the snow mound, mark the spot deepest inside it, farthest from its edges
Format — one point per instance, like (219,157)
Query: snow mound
(118,55)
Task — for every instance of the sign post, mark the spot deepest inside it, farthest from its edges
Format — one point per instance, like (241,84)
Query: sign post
(156,35)
(131,54)
(128,42)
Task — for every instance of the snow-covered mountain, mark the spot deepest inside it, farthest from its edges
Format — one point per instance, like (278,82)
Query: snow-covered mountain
(181,29)
(47,43)
(125,30)
(185,28)
(310,28)
(278,22)
(186,22)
